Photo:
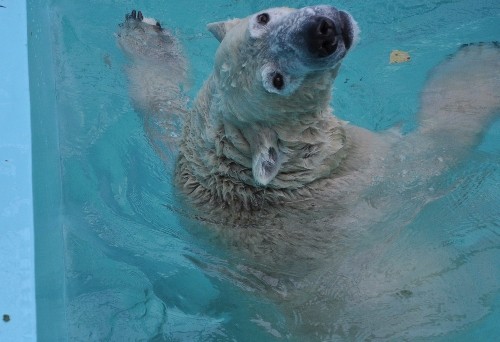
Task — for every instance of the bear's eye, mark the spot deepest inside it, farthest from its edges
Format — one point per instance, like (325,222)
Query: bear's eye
(263,18)
(278,81)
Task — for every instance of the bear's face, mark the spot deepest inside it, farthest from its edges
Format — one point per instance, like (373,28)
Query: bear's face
(273,75)
(279,48)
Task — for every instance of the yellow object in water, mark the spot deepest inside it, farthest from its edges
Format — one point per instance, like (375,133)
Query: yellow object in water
(398,56)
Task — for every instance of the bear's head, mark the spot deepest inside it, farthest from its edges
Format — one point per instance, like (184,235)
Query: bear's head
(276,68)
(287,45)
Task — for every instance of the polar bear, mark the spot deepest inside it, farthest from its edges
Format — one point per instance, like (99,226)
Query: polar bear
(263,161)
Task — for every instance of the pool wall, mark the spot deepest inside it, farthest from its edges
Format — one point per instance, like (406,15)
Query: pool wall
(47,198)
(17,279)
(30,196)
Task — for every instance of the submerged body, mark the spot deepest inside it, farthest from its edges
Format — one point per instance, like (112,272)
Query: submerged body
(263,161)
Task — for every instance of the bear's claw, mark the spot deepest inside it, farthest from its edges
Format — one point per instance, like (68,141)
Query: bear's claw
(132,15)
(137,15)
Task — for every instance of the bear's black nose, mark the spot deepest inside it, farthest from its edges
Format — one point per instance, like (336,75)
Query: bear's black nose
(321,36)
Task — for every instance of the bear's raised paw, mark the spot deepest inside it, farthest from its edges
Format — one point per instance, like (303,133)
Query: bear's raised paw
(138,16)
(144,38)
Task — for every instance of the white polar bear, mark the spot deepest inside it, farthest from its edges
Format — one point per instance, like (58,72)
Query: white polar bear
(264,162)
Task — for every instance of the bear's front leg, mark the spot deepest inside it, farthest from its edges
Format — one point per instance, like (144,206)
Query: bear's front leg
(461,98)
(157,75)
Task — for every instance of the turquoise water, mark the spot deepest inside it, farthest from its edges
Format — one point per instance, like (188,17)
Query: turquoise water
(133,272)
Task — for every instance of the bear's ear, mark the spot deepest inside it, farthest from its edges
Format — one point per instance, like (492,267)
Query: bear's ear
(220,28)
(266,164)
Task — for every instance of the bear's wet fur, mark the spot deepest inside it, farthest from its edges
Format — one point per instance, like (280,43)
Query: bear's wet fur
(263,161)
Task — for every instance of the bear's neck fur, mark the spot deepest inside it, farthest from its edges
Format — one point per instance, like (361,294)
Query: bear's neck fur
(215,163)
